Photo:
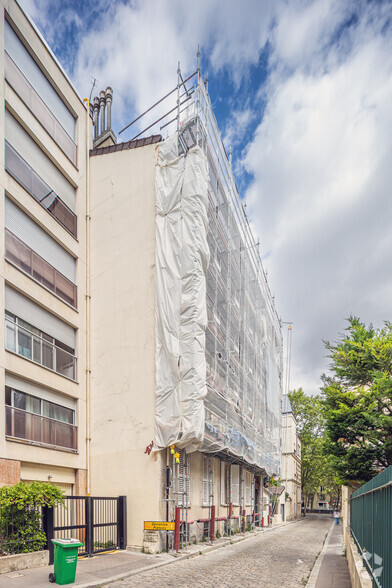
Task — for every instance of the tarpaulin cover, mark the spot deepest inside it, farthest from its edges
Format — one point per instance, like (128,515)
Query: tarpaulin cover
(182,257)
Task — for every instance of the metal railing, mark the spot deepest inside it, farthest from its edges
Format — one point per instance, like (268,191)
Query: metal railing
(100,523)
(38,268)
(27,177)
(39,350)
(21,530)
(371,523)
(27,426)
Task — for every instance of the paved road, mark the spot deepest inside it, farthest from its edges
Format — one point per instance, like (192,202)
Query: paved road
(277,558)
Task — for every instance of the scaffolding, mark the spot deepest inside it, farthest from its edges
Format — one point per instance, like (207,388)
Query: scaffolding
(241,394)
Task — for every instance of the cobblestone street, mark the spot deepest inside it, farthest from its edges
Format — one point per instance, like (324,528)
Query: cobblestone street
(282,557)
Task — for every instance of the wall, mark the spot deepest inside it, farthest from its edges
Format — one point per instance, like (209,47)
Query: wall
(123,335)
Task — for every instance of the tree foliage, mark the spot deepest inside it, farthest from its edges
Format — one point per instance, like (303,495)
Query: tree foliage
(358,400)
(20,515)
(317,469)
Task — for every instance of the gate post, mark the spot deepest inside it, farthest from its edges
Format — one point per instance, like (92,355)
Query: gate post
(212,524)
(122,522)
(89,526)
(47,526)
(177,529)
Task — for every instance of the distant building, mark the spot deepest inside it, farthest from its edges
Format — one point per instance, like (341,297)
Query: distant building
(290,505)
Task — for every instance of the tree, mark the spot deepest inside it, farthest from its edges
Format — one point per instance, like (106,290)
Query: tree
(315,467)
(358,401)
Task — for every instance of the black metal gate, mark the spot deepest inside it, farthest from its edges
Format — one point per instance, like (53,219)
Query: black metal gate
(98,522)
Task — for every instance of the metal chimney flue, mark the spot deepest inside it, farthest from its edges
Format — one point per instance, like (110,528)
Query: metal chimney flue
(102,117)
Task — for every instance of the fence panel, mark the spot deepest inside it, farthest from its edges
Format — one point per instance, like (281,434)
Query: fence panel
(98,522)
(371,523)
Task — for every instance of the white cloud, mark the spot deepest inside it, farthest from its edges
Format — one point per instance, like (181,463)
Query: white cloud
(320,198)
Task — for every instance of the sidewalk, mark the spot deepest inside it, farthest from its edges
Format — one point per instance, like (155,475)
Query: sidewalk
(108,567)
(331,569)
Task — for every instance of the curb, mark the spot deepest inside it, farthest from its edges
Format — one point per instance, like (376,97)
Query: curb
(312,580)
(201,551)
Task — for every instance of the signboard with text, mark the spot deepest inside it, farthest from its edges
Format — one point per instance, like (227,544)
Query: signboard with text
(158,526)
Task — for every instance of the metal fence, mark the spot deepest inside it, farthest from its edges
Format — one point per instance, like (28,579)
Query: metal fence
(98,522)
(371,524)
(21,530)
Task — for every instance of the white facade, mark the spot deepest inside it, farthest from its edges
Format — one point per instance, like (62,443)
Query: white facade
(43,177)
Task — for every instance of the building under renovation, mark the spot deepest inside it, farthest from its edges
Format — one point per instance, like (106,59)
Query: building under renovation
(186,344)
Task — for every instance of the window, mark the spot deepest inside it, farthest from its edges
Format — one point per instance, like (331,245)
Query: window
(33,87)
(184,498)
(208,481)
(29,342)
(225,483)
(248,488)
(35,419)
(235,485)
(32,250)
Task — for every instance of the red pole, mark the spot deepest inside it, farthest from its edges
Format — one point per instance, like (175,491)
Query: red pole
(212,524)
(177,529)
(253,517)
(243,520)
(230,510)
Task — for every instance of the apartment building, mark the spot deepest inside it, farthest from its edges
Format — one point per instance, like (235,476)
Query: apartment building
(291,463)
(44,128)
(185,340)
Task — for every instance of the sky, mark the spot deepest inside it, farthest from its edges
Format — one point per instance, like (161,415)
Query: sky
(302,92)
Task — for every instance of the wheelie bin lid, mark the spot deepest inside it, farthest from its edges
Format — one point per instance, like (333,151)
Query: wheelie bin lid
(68,542)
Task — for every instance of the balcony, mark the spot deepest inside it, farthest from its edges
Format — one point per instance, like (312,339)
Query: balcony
(23,173)
(33,101)
(38,429)
(33,264)
(42,351)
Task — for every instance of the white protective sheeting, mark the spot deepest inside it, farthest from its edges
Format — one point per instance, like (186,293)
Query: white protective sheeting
(182,257)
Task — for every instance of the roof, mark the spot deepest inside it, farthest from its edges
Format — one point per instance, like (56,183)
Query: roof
(286,405)
(127,145)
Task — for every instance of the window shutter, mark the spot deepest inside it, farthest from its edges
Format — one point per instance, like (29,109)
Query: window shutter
(248,488)
(184,479)
(223,482)
(23,227)
(205,501)
(235,484)
(34,314)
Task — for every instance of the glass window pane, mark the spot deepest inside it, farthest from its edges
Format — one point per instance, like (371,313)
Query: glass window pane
(47,355)
(19,400)
(10,336)
(24,344)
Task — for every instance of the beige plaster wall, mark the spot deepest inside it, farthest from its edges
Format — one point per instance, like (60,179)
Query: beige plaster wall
(123,334)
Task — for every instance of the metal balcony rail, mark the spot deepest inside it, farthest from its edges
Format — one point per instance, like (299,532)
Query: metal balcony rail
(28,426)
(34,102)
(33,264)
(39,350)
(24,174)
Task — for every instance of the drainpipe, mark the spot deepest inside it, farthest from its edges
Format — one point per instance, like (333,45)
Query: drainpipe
(88,300)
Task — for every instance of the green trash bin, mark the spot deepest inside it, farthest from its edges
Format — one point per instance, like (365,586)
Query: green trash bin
(65,560)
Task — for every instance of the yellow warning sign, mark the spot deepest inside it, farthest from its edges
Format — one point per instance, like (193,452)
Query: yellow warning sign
(158,526)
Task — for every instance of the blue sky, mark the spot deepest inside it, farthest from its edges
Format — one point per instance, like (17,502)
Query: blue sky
(302,91)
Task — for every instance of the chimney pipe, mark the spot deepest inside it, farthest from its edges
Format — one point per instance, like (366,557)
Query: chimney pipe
(102,111)
(109,97)
(95,111)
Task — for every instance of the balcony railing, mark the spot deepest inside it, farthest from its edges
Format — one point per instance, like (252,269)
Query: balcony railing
(39,429)
(39,350)
(38,107)
(24,174)
(33,264)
